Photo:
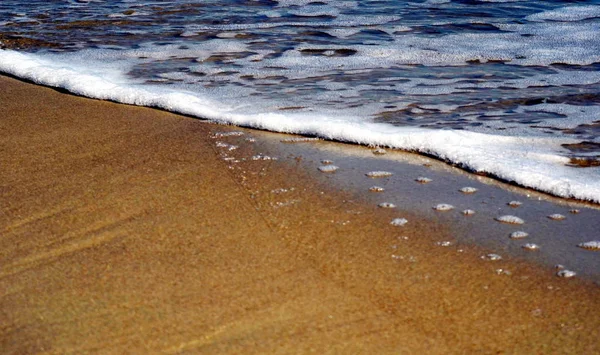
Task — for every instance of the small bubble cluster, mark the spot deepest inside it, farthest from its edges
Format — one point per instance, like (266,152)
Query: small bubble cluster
(491,257)
(398,222)
(387,205)
(262,157)
(566,273)
(379,151)
(468,190)
(468,212)
(515,203)
(423,180)
(510,219)
(518,235)
(556,217)
(379,174)
(591,245)
(328,168)
(531,247)
(443,207)
(376,189)
(228,134)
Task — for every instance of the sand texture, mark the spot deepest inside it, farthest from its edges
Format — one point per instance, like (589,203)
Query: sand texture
(124,230)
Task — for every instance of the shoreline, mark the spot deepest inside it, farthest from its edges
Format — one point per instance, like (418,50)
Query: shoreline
(131,228)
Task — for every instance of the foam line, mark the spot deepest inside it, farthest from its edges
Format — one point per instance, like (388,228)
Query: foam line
(532,162)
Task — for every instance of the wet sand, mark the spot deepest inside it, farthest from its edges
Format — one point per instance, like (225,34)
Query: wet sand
(128,229)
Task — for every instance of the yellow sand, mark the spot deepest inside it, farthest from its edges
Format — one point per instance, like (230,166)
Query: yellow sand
(122,230)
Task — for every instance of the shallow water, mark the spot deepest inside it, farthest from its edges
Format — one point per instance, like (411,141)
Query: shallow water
(525,74)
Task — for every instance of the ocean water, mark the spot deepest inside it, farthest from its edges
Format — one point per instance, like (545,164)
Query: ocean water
(506,88)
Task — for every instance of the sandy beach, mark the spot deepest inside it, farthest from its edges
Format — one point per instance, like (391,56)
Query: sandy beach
(127,230)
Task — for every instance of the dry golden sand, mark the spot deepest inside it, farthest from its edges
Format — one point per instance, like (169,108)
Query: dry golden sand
(122,230)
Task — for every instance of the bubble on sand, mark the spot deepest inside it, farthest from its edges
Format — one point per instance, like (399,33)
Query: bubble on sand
(468,212)
(531,247)
(423,180)
(559,266)
(515,203)
(503,272)
(444,243)
(300,140)
(228,134)
(491,257)
(379,174)
(566,273)
(398,222)
(556,217)
(443,207)
(574,211)
(591,245)
(250,140)
(326,162)
(226,146)
(376,189)
(518,235)
(510,219)
(387,205)
(379,151)
(468,190)
(328,168)
(262,157)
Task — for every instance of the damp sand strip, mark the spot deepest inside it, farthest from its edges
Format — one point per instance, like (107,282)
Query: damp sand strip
(125,229)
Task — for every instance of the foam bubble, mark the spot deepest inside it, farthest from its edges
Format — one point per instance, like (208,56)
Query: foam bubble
(328,168)
(574,211)
(591,245)
(387,205)
(379,174)
(556,217)
(468,190)
(379,151)
(518,235)
(566,273)
(468,212)
(376,189)
(492,257)
(326,162)
(399,222)
(423,180)
(444,243)
(531,247)
(510,219)
(228,134)
(515,203)
(262,157)
(443,207)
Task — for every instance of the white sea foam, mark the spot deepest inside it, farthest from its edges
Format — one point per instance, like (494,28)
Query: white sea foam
(387,205)
(468,190)
(328,168)
(468,212)
(378,174)
(534,162)
(531,247)
(423,180)
(591,245)
(519,235)
(566,273)
(556,217)
(399,222)
(510,219)
(443,207)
